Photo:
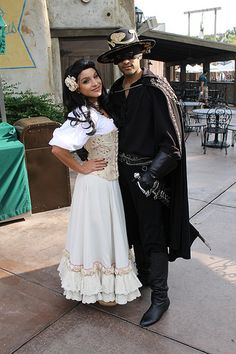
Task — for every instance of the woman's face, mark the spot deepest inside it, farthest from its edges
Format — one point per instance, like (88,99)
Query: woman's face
(90,84)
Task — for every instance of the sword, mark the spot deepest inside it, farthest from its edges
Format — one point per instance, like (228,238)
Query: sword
(158,191)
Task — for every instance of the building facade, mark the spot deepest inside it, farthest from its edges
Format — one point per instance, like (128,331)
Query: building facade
(43,37)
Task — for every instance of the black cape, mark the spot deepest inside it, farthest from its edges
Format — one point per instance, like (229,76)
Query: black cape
(180,232)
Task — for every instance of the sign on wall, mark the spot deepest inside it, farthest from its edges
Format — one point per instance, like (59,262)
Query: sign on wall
(17,55)
(2,36)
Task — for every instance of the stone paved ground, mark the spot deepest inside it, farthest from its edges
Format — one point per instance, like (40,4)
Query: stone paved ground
(35,317)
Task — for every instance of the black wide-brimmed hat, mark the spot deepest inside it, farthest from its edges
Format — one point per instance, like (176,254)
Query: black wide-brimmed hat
(124,40)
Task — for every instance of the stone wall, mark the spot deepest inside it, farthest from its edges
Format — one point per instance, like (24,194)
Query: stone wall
(90,14)
(27,60)
(32,57)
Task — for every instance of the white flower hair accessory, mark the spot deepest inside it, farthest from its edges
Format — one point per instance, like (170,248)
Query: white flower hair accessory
(71,83)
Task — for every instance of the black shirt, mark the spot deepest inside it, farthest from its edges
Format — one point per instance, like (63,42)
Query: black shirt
(143,119)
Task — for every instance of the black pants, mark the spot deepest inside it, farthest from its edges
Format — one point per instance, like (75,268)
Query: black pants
(144,216)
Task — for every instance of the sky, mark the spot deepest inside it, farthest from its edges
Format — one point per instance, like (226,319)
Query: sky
(171,12)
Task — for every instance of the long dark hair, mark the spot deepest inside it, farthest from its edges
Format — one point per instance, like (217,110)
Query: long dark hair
(73,99)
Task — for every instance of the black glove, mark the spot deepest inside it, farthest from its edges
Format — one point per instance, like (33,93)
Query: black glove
(161,165)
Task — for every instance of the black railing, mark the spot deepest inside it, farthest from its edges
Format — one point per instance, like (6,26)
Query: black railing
(189,91)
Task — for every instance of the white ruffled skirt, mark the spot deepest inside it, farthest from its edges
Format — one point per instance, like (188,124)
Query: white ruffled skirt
(96,264)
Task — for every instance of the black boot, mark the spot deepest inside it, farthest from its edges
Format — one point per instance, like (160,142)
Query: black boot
(158,282)
(142,264)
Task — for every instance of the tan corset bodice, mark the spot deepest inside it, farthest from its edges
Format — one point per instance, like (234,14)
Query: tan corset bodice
(105,147)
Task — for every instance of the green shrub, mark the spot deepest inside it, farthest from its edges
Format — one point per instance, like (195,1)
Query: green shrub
(28,104)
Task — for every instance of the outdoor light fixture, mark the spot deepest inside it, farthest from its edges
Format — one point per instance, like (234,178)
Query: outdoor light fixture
(138,17)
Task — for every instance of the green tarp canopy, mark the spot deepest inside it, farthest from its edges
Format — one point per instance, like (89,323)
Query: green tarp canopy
(2,51)
(14,187)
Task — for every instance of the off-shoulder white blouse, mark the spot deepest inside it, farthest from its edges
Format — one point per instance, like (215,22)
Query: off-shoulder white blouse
(73,137)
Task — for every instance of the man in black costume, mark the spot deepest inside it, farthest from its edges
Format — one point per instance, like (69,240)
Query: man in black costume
(152,167)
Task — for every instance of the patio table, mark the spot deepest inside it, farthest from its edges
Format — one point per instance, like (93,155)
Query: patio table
(192,104)
(189,105)
(203,111)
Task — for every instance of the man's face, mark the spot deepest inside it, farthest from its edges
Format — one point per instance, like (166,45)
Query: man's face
(129,66)
(128,63)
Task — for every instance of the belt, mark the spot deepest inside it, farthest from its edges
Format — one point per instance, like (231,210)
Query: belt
(134,160)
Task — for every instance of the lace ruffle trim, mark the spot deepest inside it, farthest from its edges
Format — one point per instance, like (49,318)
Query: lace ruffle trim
(98,267)
(95,285)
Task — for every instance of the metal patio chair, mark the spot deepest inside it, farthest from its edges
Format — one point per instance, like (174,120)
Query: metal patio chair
(217,123)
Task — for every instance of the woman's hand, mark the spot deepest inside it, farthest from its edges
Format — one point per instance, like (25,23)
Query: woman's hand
(93,165)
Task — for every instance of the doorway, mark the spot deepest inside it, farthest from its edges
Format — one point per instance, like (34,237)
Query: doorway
(74,48)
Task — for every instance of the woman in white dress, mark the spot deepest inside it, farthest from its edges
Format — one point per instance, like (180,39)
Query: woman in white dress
(96,264)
